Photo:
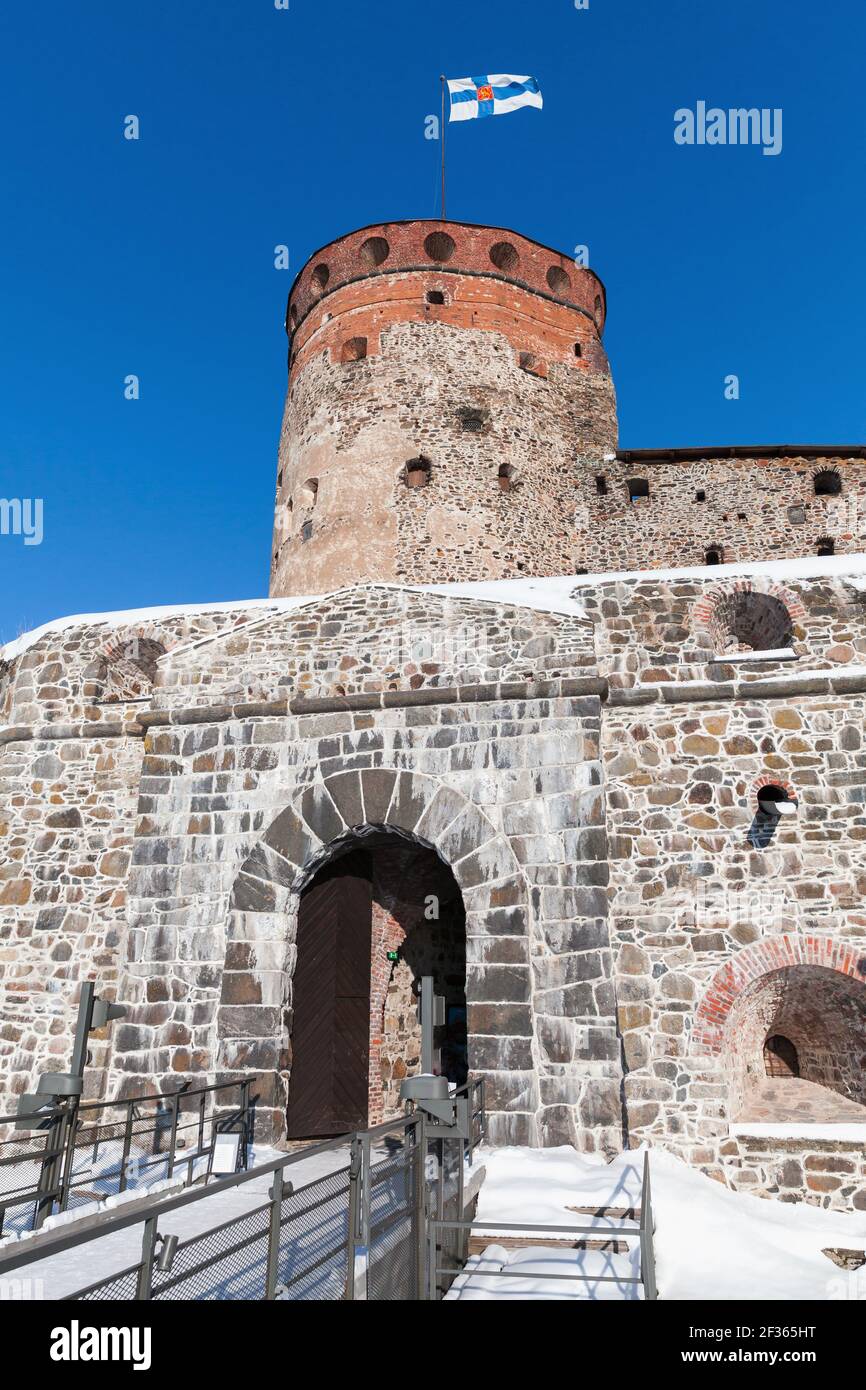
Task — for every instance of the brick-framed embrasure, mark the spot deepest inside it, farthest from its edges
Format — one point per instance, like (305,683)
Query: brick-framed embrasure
(711,614)
(772,954)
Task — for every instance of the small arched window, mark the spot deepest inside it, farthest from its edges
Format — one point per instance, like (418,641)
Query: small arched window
(310,492)
(826,546)
(506,477)
(713,556)
(748,621)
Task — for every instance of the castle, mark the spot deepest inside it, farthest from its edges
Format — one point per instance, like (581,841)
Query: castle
(578,731)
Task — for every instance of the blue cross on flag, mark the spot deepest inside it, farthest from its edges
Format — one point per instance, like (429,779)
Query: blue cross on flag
(472,97)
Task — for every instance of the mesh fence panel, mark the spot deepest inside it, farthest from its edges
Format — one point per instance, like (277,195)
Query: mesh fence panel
(445,1204)
(227,1262)
(119,1287)
(314,1234)
(20,1174)
(392,1267)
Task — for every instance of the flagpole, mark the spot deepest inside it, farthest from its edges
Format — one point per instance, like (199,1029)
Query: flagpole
(442,135)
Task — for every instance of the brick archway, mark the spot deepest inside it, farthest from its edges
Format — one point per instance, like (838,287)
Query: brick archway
(769,611)
(254,1015)
(749,965)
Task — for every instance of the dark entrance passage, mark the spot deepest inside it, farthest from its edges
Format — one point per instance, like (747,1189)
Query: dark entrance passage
(371,923)
(329,1082)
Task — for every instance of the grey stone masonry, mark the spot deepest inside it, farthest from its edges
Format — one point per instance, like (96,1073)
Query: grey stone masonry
(587,762)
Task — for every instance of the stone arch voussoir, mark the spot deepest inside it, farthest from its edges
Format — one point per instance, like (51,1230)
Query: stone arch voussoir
(301,838)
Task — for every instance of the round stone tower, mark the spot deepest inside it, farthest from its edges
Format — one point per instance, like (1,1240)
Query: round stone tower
(449,401)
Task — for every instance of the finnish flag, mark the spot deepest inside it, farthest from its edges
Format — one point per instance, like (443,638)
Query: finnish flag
(472,97)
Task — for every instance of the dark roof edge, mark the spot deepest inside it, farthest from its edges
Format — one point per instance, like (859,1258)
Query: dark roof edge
(743,451)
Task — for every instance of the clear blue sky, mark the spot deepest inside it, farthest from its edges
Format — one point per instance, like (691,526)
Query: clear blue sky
(261,126)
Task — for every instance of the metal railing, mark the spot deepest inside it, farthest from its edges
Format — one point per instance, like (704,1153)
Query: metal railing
(84,1151)
(441,1275)
(352,1231)
(356,1230)
(364,1216)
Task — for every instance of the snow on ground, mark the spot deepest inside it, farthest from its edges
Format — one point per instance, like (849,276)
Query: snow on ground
(710,1243)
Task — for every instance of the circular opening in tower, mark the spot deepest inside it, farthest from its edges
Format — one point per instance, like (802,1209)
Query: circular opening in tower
(439,246)
(374,251)
(558,280)
(505,257)
(321,275)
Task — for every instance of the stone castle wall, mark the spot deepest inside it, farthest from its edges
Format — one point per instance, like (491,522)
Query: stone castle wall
(736,509)
(71,753)
(723,934)
(590,776)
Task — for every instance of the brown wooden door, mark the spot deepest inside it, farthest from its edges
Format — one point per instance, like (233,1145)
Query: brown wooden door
(328,1085)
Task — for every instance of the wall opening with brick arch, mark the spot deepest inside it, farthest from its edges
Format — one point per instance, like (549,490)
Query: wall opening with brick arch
(787,1018)
(744,615)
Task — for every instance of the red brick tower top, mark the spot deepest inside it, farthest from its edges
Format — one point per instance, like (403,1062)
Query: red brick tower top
(447,385)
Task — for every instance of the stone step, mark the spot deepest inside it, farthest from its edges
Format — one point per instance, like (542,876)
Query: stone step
(478,1244)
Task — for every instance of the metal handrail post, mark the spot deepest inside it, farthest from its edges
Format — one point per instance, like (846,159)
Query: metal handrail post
(431,1262)
(276,1195)
(144,1283)
(172,1147)
(353,1220)
(127,1143)
(421,1204)
(647,1226)
(68,1160)
(365,1195)
(461,1198)
(245,1119)
(55,1148)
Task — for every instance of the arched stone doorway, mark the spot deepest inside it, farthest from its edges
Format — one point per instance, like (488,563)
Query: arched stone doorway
(381,913)
(256,986)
